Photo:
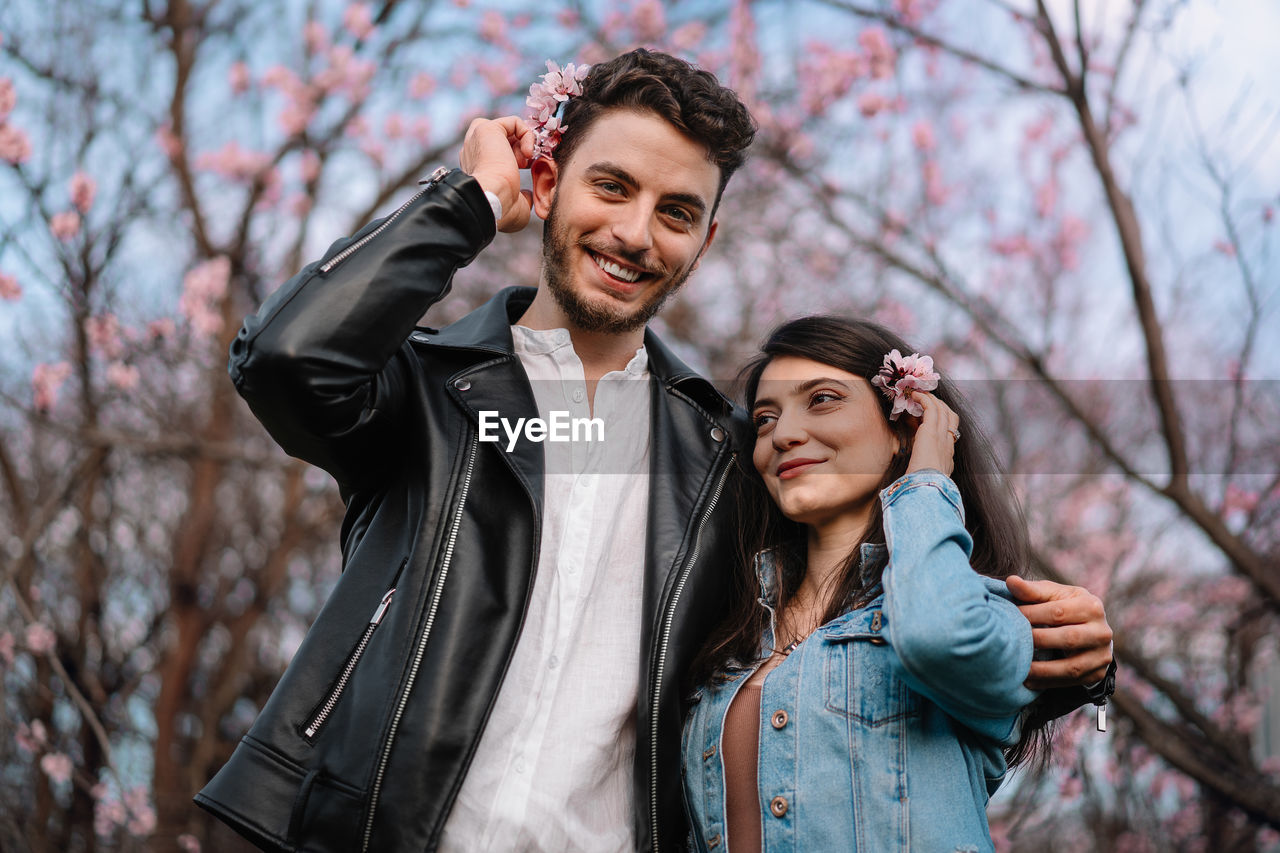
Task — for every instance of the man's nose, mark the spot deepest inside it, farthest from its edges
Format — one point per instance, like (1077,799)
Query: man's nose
(633,227)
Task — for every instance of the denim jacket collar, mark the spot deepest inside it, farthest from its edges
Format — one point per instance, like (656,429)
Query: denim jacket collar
(872,556)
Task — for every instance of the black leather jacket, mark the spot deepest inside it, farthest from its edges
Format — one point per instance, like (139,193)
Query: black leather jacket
(367,738)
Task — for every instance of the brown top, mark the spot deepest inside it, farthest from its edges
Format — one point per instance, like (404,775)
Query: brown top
(740,752)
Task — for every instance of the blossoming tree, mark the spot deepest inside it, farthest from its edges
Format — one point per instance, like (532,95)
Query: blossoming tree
(1060,202)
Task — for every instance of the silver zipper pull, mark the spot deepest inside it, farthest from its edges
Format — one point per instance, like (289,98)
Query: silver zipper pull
(382,607)
(1102,716)
(435,177)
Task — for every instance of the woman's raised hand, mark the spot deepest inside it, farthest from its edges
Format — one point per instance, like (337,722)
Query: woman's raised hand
(936,435)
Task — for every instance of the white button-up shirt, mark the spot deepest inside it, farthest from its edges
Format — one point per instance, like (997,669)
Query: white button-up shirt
(553,771)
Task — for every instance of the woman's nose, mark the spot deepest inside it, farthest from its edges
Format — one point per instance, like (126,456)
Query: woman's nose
(788,432)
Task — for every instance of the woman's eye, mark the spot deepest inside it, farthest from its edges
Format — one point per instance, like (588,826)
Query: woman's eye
(763,421)
(824,397)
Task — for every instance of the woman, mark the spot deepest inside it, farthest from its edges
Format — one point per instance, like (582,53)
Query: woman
(868,690)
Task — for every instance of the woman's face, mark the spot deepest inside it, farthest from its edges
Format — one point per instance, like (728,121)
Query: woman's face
(822,442)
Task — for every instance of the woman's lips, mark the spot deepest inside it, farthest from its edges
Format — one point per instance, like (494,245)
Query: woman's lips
(796,467)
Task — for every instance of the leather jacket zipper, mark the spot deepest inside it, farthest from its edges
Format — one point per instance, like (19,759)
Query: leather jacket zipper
(318,719)
(432,605)
(330,265)
(663,642)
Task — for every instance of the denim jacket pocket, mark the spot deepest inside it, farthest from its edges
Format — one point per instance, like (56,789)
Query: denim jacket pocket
(861,671)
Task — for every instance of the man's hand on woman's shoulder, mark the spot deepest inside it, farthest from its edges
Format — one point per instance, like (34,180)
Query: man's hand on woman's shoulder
(1070,619)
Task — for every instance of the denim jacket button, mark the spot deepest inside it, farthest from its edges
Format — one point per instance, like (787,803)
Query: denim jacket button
(779,719)
(714,841)
(708,752)
(778,805)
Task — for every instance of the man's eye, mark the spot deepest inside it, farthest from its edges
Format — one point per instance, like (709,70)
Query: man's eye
(610,187)
(679,213)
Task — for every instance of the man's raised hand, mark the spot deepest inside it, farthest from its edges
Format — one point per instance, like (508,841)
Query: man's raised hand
(493,152)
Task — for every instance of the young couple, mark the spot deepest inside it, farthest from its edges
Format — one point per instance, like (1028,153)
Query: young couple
(509,657)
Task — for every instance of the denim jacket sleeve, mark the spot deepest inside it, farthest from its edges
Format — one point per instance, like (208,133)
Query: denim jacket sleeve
(960,644)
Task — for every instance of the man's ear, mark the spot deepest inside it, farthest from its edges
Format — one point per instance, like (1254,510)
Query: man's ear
(706,244)
(544,173)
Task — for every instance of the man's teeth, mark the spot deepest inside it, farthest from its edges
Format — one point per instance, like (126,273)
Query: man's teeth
(614,270)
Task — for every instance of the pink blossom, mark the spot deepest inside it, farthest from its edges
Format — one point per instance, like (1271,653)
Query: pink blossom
(493,27)
(688,36)
(375,151)
(309,166)
(188,843)
(104,335)
(40,638)
(922,136)
(568,18)
(521,21)
(282,78)
(900,375)
(357,127)
(910,11)
(935,191)
(14,145)
(83,189)
(1268,214)
(10,290)
(8,97)
(143,820)
(234,162)
(881,57)
(203,289)
(649,20)
(168,141)
(358,20)
(57,767)
(1225,248)
(46,380)
(65,225)
(500,79)
(158,330)
(31,738)
(826,75)
(238,78)
(299,204)
(393,127)
(123,376)
(316,37)
(545,97)
(1237,499)
(421,85)
(871,103)
(1046,197)
(421,130)
(108,813)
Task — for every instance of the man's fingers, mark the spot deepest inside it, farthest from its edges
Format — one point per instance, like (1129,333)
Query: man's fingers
(1067,611)
(1073,638)
(1033,591)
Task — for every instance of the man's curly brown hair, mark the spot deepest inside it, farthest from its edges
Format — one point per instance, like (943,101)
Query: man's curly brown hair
(691,99)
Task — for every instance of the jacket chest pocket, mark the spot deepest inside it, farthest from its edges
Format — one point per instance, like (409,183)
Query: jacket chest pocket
(861,673)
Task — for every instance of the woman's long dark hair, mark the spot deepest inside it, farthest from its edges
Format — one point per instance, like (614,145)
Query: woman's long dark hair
(992,515)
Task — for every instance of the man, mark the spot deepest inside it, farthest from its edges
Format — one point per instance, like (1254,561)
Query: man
(499,667)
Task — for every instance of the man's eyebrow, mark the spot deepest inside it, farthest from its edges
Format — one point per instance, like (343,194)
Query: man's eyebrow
(802,387)
(613,170)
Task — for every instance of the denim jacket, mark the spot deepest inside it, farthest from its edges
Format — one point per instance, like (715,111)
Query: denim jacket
(883,730)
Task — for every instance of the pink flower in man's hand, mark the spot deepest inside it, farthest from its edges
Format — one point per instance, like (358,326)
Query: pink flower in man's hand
(83,189)
(8,97)
(57,766)
(65,225)
(14,145)
(10,290)
(900,375)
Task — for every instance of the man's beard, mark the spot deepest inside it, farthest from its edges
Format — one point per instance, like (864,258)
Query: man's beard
(588,316)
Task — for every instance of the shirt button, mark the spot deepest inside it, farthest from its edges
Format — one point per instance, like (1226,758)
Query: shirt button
(578,395)
(553,662)
(520,769)
(778,805)
(779,719)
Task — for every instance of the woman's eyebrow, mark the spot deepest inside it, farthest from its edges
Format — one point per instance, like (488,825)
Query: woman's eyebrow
(801,388)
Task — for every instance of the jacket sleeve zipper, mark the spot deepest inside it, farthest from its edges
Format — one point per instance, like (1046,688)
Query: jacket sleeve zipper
(330,265)
(317,721)
(432,605)
(664,640)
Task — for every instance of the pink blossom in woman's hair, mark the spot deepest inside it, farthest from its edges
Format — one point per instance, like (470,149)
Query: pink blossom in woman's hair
(14,145)
(900,375)
(83,190)
(8,97)
(10,290)
(57,766)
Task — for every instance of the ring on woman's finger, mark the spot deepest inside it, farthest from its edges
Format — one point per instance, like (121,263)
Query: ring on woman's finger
(955,434)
